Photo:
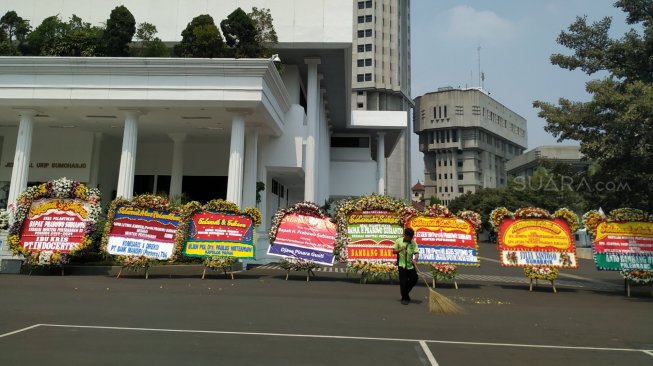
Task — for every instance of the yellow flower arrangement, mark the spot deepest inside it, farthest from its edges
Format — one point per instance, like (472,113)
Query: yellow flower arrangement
(219,263)
(541,272)
(373,271)
(570,217)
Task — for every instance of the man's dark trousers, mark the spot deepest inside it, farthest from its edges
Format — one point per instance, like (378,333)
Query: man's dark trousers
(407,280)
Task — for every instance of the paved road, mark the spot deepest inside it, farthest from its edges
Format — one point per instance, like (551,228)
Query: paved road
(259,318)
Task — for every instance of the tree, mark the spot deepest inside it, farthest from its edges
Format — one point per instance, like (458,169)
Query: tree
(53,37)
(240,34)
(13,30)
(201,38)
(148,44)
(266,36)
(615,128)
(120,30)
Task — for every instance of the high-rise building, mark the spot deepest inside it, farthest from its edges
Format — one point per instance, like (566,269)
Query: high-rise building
(526,164)
(466,138)
(381,78)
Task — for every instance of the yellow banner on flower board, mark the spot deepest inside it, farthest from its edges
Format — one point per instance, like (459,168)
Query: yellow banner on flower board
(631,229)
(550,234)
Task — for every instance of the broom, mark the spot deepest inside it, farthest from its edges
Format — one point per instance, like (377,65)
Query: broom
(439,303)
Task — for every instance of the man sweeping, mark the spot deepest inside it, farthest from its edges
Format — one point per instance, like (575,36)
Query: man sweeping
(407,256)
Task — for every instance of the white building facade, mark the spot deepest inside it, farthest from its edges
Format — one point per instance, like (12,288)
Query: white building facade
(466,138)
(381,79)
(204,128)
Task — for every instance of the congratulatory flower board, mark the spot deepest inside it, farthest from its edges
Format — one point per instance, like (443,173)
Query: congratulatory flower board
(623,240)
(534,237)
(144,227)
(303,232)
(218,230)
(53,220)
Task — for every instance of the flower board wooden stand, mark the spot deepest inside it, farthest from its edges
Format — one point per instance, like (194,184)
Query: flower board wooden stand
(553,285)
(309,273)
(627,287)
(147,275)
(453,279)
(224,269)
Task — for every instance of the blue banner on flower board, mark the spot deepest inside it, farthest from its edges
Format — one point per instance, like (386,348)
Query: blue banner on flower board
(291,251)
(447,254)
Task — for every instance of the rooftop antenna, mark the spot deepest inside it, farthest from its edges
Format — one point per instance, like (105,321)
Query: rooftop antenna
(478,50)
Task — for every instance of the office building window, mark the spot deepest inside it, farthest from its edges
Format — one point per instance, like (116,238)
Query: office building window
(460,163)
(361,19)
(368,33)
(368,47)
(360,92)
(460,176)
(368,62)
(360,77)
(361,33)
(360,105)
(360,48)
(361,4)
(368,19)
(368,77)
(360,63)
(446,189)
(368,4)
(461,190)
(459,110)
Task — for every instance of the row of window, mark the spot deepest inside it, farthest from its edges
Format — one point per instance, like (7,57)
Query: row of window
(365,33)
(365,47)
(447,176)
(364,62)
(446,135)
(365,4)
(364,77)
(365,19)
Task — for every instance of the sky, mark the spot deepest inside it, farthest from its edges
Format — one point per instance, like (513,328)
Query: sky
(516,39)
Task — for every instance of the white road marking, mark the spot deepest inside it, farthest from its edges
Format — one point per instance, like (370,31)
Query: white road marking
(343,337)
(19,330)
(429,355)
(650,353)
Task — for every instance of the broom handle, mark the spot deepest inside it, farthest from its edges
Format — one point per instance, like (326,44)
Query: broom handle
(421,275)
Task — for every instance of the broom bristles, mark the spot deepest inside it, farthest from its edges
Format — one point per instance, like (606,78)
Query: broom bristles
(439,303)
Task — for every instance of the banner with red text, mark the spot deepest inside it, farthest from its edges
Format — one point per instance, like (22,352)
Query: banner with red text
(537,242)
(372,234)
(143,232)
(54,225)
(306,237)
(624,245)
(446,240)
(220,234)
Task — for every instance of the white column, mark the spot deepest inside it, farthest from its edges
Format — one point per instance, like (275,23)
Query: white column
(380,161)
(95,160)
(20,170)
(249,179)
(128,155)
(312,99)
(177,169)
(237,151)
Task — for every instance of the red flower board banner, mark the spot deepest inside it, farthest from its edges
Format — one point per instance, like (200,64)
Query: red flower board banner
(306,237)
(54,225)
(537,242)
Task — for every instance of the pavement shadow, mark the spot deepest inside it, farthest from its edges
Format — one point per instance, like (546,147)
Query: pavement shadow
(540,288)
